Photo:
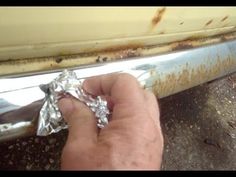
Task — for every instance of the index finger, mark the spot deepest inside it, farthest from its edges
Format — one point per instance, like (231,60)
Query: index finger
(121,87)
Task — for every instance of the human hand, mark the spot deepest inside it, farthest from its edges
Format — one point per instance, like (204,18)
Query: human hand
(132,139)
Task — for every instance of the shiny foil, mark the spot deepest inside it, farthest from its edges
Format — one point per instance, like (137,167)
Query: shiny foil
(50,118)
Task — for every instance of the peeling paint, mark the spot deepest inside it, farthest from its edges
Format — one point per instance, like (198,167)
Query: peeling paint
(181,46)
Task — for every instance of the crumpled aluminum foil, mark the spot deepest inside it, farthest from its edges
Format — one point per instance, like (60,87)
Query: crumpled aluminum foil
(50,118)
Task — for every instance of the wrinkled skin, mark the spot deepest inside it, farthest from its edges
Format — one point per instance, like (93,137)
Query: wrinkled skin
(133,138)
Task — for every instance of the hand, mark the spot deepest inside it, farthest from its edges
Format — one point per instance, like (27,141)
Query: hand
(132,139)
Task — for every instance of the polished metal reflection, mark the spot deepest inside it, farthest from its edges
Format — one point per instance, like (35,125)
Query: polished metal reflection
(22,92)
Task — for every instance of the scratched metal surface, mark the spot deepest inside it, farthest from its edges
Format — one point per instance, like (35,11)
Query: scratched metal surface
(199,128)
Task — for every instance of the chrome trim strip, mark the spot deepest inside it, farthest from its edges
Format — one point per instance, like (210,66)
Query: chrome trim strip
(163,74)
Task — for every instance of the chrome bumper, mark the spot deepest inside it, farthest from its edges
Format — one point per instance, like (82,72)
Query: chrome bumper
(21,97)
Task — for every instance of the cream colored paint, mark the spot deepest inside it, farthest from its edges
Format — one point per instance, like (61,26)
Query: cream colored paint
(46,31)
(50,63)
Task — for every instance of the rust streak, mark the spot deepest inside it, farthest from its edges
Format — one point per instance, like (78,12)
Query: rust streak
(181,45)
(119,52)
(158,16)
(209,22)
(120,47)
(223,19)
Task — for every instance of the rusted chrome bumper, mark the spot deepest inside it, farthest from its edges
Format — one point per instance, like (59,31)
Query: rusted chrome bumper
(21,97)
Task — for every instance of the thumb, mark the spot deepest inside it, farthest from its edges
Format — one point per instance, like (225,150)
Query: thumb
(81,121)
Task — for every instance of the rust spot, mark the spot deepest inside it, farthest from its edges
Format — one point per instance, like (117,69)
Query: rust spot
(116,52)
(189,77)
(98,59)
(200,40)
(162,32)
(58,60)
(158,16)
(181,45)
(101,59)
(120,48)
(181,23)
(209,22)
(223,38)
(223,19)
(194,38)
(127,54)
(104,59)
(226,37)
(119,52)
